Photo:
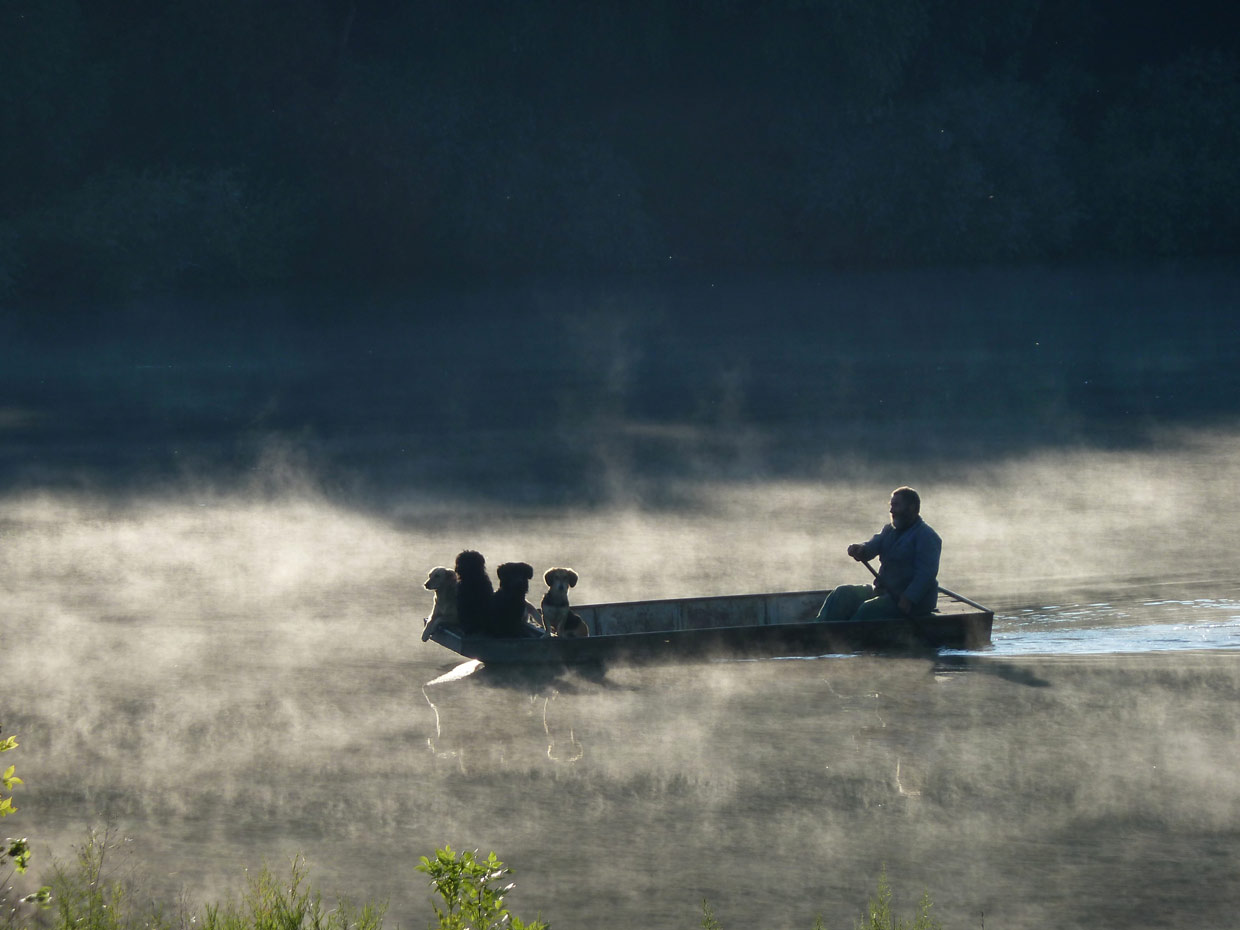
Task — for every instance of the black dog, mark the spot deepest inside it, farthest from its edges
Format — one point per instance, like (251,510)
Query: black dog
(474,593)
(509,607)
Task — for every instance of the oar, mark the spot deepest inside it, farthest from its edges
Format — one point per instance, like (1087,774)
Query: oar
(942,590)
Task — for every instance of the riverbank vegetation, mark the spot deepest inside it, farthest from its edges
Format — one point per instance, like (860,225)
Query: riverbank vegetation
(466,890)
(189,147)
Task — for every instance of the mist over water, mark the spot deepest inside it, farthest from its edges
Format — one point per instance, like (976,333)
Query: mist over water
(231,679)
(226,663)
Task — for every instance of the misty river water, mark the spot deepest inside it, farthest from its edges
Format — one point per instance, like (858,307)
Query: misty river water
(222,659)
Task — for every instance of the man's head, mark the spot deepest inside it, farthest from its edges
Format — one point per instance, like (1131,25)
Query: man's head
(905,507)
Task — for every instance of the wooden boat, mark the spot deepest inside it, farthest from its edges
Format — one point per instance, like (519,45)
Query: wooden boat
(757,625)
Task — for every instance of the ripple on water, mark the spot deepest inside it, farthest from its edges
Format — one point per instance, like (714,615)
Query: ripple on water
(1103,628)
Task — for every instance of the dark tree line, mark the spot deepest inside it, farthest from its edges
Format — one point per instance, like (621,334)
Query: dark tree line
(153,145)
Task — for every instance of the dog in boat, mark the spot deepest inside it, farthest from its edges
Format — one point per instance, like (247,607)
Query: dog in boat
(559,620)
(442,581)
(509,608)
(474,592)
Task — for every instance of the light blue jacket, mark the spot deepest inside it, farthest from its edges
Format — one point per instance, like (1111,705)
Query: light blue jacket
(910,563)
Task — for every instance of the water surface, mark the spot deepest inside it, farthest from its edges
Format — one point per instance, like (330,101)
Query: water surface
(213,554)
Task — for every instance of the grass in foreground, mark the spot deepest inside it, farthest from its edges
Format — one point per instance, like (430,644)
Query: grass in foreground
(85,897)
(878,915)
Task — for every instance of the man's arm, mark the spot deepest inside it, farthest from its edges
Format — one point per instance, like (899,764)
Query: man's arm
(865,551)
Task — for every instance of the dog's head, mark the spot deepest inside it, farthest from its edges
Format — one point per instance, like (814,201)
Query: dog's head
(559,580)
(515,576)
(470,564)
(440,578)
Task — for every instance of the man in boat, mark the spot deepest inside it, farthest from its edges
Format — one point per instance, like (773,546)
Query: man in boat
(908,581)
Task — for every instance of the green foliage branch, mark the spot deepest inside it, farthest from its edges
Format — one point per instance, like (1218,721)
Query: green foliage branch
(14,853)
(8,779)
(471,893)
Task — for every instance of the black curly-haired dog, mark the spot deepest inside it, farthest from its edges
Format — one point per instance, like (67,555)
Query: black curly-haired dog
(473,593)
(509,608)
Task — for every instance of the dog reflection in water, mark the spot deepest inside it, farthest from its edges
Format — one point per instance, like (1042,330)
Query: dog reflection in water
(558,750)
(464,670)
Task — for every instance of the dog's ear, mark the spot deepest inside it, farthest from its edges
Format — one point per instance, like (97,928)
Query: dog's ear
(527,570)
(572,577)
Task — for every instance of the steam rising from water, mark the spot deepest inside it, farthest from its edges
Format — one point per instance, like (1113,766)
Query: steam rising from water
(238,676)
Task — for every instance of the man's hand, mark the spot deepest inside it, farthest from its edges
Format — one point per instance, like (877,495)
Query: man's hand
(905,605)
(857,551)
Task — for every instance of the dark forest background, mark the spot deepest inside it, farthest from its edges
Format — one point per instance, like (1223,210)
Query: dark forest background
(155,146)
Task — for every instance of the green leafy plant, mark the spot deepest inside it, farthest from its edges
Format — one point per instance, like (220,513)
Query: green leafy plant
(8,779)
(14,853)
(472,898)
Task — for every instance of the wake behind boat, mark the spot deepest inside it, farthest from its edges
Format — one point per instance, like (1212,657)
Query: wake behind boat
(755,625)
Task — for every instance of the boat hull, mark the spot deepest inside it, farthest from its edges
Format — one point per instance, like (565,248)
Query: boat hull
(764,625)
